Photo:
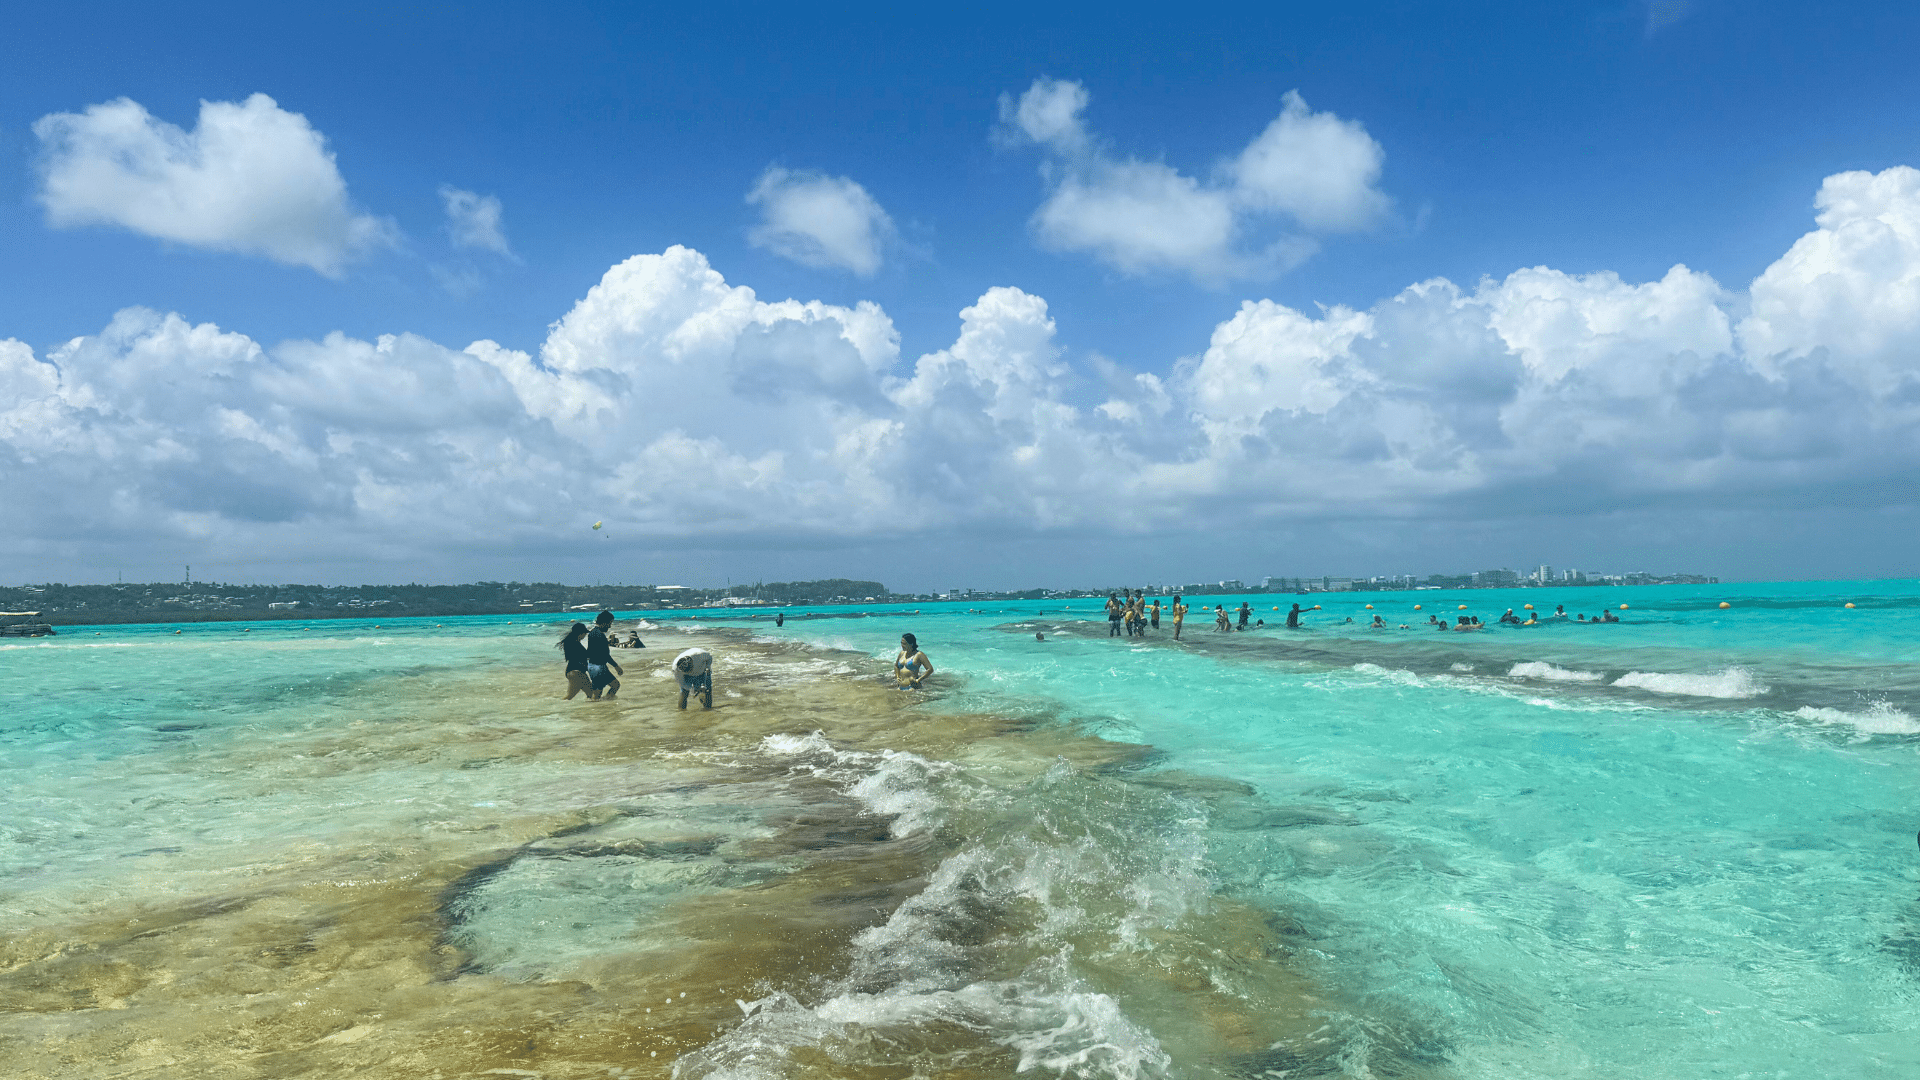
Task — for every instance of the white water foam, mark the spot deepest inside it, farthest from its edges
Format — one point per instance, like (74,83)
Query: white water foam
(1095,873)
(1393,675)
(1880,718)
(889,783)
(1540,669)
(1734,682)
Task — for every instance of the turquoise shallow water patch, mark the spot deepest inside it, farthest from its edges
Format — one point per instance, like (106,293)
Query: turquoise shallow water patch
(1682,845)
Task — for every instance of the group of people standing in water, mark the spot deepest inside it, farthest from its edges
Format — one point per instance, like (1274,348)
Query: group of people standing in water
(592,670)
(1135,614)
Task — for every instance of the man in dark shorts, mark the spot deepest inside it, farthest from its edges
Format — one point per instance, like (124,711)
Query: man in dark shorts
(1115,611)
(600,663)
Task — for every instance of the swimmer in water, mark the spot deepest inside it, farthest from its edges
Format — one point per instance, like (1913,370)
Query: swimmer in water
(1378,623)
(780,618)
(1559,611)
(1039,636)
(908,664)
(1293,618)
(1533,619)
(1179,616)
(1246,612)
(1509,617)
(1154,616)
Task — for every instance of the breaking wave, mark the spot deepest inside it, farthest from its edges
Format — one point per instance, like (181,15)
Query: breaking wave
(1879,718)
(1539,669)
(1733,683)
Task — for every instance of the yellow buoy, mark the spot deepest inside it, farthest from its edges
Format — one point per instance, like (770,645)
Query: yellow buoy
(597,524)
(1623,607)
(1316,607)
(1849,604)
(1416,607)
(1369,607)
(1276,607)
(1528,607)
(1462,607)
(1724,604)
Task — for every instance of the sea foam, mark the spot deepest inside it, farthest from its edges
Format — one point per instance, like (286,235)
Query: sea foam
(1879,718)
(1540,669)
(1734,682)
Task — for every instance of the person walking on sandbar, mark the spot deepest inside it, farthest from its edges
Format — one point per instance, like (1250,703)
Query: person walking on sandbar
(1179,616)
(1115,611)
(578,682)
(601,665)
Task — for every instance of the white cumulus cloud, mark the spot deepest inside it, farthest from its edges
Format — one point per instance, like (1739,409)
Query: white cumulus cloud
(827,222)
(473,220)
(1258,213)
(686,409)
(250,178)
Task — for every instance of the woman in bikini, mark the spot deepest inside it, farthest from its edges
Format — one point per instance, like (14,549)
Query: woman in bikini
(911,667)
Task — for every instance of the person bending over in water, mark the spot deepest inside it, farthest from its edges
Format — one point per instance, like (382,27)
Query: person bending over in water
(570,646)
(693,671)
(1220,618)
(911,667)
(1179,616)
(601,665)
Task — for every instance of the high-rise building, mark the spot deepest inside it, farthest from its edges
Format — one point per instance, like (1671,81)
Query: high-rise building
(1543,575)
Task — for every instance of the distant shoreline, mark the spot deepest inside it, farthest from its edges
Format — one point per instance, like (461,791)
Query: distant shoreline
(161,618)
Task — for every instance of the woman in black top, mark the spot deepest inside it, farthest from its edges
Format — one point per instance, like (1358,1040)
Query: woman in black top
(576,654)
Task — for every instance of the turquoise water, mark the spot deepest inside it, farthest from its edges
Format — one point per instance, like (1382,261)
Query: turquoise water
(1682,845)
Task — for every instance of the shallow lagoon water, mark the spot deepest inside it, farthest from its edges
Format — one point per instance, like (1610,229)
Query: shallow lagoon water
(1681,846)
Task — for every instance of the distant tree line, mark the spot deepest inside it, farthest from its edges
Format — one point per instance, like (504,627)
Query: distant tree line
(200,601)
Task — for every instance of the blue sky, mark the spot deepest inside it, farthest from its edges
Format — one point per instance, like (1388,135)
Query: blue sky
(1589,139)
